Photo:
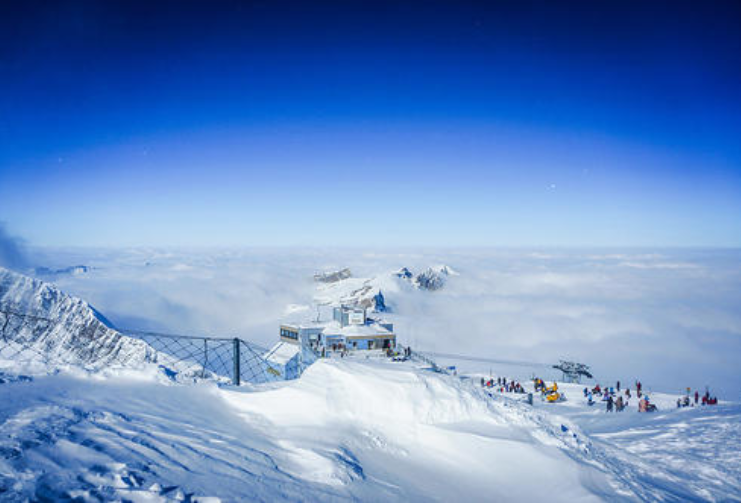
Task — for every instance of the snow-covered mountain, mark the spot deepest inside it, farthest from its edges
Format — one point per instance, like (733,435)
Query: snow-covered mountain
(433,278)
(333,276)
(36,317)
(376,293)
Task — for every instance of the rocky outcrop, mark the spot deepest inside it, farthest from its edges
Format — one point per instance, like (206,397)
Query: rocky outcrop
(333,276)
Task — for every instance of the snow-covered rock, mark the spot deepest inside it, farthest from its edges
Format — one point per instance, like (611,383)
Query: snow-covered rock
(333,276)
(42,322)
(404,273)
(434,278)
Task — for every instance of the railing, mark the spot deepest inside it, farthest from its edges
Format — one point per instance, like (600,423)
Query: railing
(26,337)
(422,358)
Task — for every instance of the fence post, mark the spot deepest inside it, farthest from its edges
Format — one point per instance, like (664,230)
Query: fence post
(205,357)
(235,377)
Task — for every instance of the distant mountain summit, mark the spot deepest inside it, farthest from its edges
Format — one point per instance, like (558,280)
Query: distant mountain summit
(333,276)
(434,278)
(376,293)
(38,318)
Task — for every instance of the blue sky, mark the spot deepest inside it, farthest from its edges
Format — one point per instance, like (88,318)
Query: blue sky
(353,123)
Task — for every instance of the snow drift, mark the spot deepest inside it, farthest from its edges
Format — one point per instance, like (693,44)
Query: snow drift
(346,431)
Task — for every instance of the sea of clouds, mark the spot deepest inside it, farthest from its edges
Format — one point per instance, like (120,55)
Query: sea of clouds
(671,318)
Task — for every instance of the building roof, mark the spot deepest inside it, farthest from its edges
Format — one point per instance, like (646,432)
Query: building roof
(281,353)
(371,328)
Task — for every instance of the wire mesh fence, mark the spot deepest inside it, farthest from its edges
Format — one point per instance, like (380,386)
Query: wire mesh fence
(35,339)
(211,357)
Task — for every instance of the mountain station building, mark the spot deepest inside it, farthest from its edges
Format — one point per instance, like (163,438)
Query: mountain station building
(350,329)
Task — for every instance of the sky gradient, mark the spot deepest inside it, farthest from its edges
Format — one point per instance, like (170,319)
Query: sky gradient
(364,123)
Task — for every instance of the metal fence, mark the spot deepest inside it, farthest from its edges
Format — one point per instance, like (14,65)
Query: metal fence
(27,337)
(235,359)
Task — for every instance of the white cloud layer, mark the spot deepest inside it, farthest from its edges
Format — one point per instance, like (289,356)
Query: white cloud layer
(670,317)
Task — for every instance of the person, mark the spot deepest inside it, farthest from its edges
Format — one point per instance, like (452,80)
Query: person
(686,401)
(642,405)
(609,403)
(638,388)
(590,401)
(585,391)
(627,392)
(649,406)
(482,382)
(618,386)
(697,396)
(679,403)
(619,403)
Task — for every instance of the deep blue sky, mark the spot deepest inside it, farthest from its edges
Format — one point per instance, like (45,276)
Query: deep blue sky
(357,123)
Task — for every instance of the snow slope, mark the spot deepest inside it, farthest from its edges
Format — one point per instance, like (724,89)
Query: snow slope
(57,327)
(345,431)
(686,454)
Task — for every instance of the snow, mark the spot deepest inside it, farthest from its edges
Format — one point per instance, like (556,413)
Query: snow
(346,430)
(54,327)
(350,429)
(282,353)
(334,328)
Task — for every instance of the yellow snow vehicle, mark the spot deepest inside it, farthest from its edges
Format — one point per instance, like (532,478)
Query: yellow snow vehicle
(552,394)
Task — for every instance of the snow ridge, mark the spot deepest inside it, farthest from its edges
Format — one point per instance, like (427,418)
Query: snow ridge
(40,321)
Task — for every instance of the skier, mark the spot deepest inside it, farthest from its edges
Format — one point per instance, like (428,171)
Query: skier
(609,403)
(618,386)
(697,396)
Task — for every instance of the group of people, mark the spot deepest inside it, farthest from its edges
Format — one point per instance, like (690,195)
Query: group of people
(617,401)
(686,401)
(396,355)
(502,385)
